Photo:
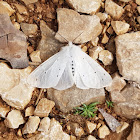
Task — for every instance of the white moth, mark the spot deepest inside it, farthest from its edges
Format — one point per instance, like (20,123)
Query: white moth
(68,67)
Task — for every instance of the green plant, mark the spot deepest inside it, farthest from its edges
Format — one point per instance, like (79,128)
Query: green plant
(87,110)
(109,104)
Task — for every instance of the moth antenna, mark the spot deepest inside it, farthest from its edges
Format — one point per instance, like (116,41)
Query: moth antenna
(63,37)
(77,36)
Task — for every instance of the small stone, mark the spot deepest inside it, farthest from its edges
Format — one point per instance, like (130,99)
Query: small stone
(72,137)
(29,29)
(113,9)
(21,9)
(17,25)
(94,52)
(110,30)
(4,110)
(135,133)
(120,27)
(35,56)
(138,19)
(90,137)
(138,8)
(27,2)
(90,126)
(30,49)
(138,2)
(103,131)
(125,0)
(14,119)
(75,27)
(94,41)
(44,124)
(44,107)
(20,18)
(76,129)
(29,111)
(98,125)
(84,48)
(123,126)
(102,16)
(5,8)
(106,57)
(31,125)
(105,39)
(19,133)
(118,83)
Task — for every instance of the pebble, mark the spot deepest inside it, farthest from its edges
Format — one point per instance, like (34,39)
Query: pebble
(90,126)
(106,57)
(103,131)
(94,41)
(94,52)
(27,2)
(138,19)
(102,16)
(17,25)
(88,6)
(20,18)
(29,111)
(123,126)
(113,9)
(44,107)
(110,30)
(72,137)
(120,27)
(44,124)
(125,0)
(29,29)
(21,9)
(5,8)
(138,8)
(118,83)
(31,125)
(90,137)
(138,2)
(4,110)
(105,39)
(14,119)
(35,56)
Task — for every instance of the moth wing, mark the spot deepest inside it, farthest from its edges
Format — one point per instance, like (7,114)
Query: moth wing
(49,72)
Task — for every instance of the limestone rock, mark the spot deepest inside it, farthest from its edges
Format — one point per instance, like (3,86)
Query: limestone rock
(125,0)
(110,120)
(138,19)
(105,39)
(13,46)
(120,27)
(5,8)
(27,2)
(135,133)
(13,89)
(73,97)
(94,41)
(123,126)
(138,8)
(21,9)
(138,2)
(44,107)
(75,27)
(48,45)
(72,137)
(118,83)
(20,18)
(29,111)
(90,126)
(128,54)
(14,119)
(113,9)
(4,110)
(17,25)
(127,103)
(35,56)
(90,137)
(31,125)
(103,131)
(44,124)
(102,16)
(29,29)
(88,6)
(106,57)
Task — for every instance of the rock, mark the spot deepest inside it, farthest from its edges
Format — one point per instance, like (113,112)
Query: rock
(17,25)
(44,124)
(94,41)
(89,7)
(21,9)
(135,135)
(138,8)
(102,16)
(35,56)
(75,27)
(13,42)
(90,126)
(138,19)
(138,2)
(127,55)
(118,83)
(31,125)
(68,99)
(120,27)
(5,8)
(29,29)
(13,89)
(110,120)
(125,0)
(44,107)
(76,129)
(110,30)
(20,18)
(94,52)
(123,126)
(105,39)
(4,110)
(29,111)
(27,2)
(90,137)
(127,103)
(106,57)
(72,137)
(113,9)
(48,45)
(14,119)
(103,131)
